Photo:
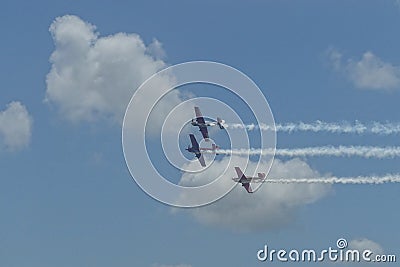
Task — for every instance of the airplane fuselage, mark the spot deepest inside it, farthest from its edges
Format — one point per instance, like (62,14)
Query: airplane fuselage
(192,150)
(195,123)
(241,180)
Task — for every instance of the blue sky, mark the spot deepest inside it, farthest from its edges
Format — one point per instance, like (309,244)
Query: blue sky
(66,195)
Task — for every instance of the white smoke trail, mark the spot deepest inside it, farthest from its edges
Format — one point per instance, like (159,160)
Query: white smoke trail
(389,178)
(339,151)
(357,127)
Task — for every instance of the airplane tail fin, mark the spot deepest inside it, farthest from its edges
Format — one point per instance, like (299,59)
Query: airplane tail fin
(215,148)
(261,175)
(220,123)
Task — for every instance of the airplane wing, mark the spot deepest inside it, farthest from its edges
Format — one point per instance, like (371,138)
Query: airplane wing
(248,188)
(204,132)
(199,116)
(195,145)
(201,159)
(239,173)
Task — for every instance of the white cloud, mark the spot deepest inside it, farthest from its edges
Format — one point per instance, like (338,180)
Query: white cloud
(272,206)
(335,58)
(15,127)
(155,49)
(364,244)
(370,72)
(94,77)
